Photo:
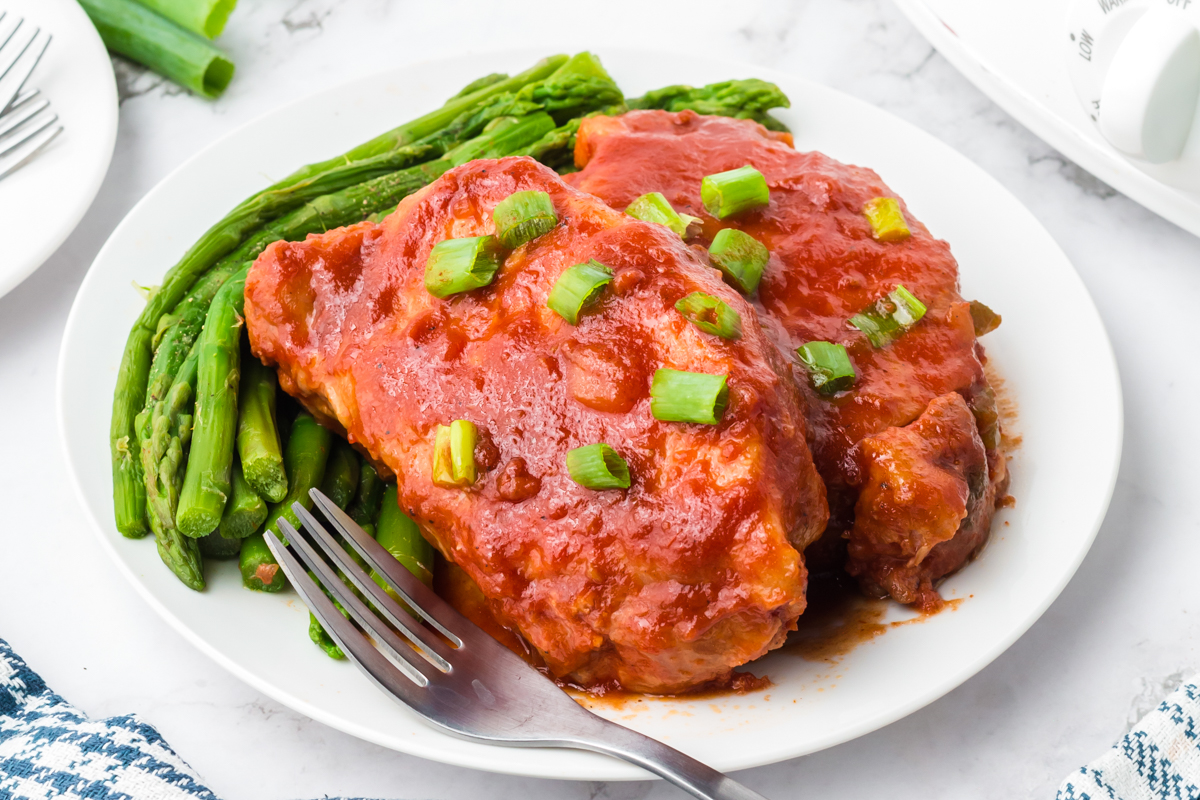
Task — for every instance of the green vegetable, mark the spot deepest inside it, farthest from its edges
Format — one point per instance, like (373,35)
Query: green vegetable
(744,99)
(260,571)
(205,17)
(677,396)
(887,220)
(828,365)
(598,466)
(711,315)
(460,265)
(365,507)
(983,318)
(245,512)
(305,458)
(726,194)
(890,316)
(522,217)
(454,454)
(164,434)
(577,288)
(740,257)
(206,486)
(341,474)
(258,440)
(653,207)
(401,537)
(318,634)
(214,545)
(134,31)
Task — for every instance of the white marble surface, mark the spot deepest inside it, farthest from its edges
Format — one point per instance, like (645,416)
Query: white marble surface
(1127,625)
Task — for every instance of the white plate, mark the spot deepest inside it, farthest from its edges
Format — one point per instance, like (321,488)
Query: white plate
(43,201)
(1052,351)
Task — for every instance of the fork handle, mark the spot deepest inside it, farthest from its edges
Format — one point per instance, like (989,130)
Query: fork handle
(694,777)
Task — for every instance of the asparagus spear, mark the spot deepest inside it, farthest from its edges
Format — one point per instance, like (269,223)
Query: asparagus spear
(322,639)
(134,31)
(399,535)
(257,434)
(365,507)
(305,458)
(260,571)
(244,513)
(206,485)
(214,545)
(341,474)
(746,99)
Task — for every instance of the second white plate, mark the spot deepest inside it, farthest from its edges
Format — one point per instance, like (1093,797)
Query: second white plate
(43,201)
(1052,351)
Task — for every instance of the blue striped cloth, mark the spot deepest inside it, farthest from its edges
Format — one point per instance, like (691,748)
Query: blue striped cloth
(1158,760)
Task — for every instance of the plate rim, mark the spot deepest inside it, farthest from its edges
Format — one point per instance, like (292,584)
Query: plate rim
(619,770)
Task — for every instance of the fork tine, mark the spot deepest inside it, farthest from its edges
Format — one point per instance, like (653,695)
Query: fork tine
(10,56)
(432,647)
(16,138)
(400,650)
(14,160)
(13,78)
(419,597)
(24,97)
(382,672)
(19,114)
(6,37)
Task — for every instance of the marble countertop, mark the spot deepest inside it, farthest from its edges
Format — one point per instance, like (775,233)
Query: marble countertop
(1123,631)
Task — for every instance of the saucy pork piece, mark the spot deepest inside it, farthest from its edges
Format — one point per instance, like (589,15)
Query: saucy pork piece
(826,266)
(671,583)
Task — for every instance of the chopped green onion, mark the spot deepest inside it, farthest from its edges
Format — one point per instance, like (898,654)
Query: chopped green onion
(598,466)
(741,257)
(460,265)
(577,288)
(828,365)
(711,315)
(653,207)
(727,193)
(454,454)
(983,318)
(889,316)
(887,220)
(677,396)
(523,216)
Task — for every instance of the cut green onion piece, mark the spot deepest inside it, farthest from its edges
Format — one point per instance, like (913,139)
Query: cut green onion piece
(889,316)
(577,288)
(653,207)
(711,315)
(688,396)
(598,466)
(887,220)
(741,257)
(454,454)
(727,193)
(983,318)
(460,265)
(523,216)
(828,365)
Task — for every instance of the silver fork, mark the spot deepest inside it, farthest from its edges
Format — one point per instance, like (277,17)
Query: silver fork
(466,683)
(24,128)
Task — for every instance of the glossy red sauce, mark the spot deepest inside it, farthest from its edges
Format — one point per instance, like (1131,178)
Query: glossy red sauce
(670,584)
(825,267)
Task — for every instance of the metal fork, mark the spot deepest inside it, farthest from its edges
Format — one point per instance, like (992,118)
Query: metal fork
(450,671)
(24,128)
